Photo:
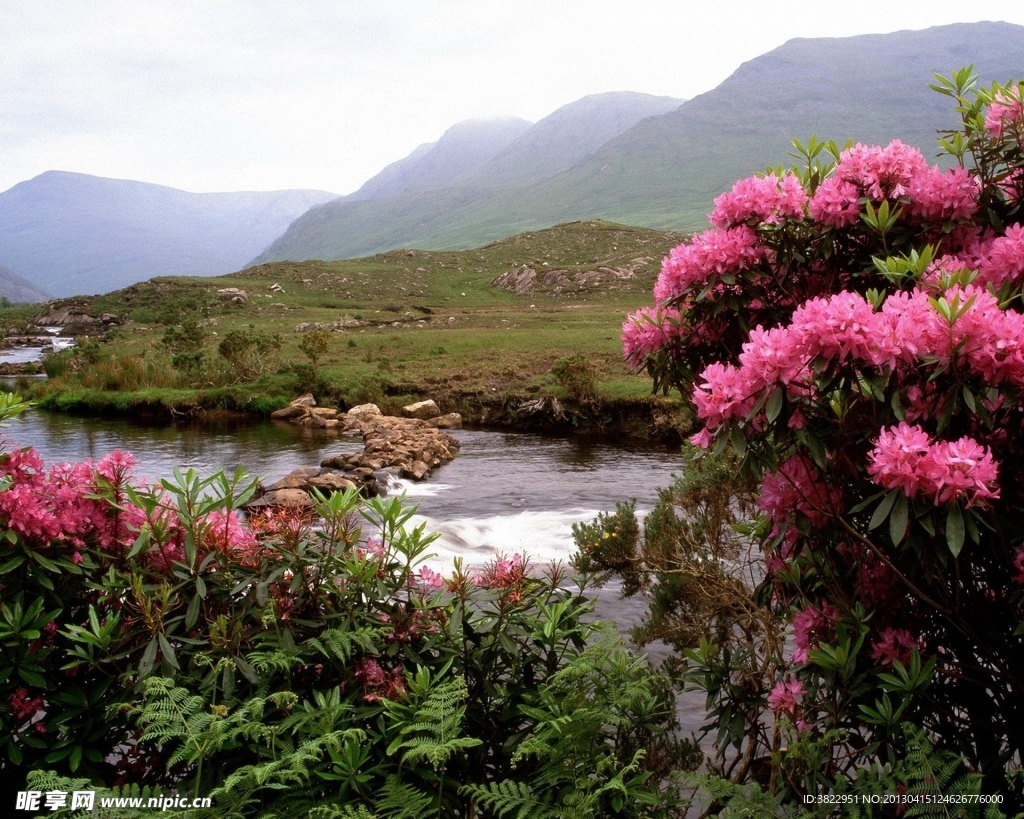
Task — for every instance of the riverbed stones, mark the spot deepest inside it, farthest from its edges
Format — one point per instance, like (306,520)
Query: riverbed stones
(409,447)
(451,420)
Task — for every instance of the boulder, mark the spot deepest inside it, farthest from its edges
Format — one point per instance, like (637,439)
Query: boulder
(421,409)
(329,482)
(296,409)
(450,421)
(296,479)
(365,411)
(234,294)
(283,497)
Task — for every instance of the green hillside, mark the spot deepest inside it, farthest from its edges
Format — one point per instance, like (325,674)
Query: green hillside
(665,171)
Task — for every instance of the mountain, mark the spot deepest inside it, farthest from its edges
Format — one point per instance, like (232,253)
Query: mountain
(665,171)
(17,289)
(461,150)
(70,233)
(554,144)
(570,134)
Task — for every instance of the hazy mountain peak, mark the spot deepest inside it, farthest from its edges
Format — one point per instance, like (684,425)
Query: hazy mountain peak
(567,135)
(462,148)
(16,288)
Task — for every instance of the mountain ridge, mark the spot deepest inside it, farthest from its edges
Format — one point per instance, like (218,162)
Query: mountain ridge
(665,171)
(72,233)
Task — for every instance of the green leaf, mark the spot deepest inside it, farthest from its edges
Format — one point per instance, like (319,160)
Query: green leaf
(168,651)
(148,659)
(955,531)
(884,508)
(774,405)
(13,563)
(32,678)
(898,520)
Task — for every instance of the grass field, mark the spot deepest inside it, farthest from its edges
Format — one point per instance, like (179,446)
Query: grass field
(403,325)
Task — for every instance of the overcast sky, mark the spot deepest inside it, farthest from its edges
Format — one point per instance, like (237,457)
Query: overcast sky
(225,95)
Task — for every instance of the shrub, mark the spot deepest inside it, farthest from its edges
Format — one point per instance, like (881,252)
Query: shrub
(250,353)
(314,345)
(850,328)
(577,376)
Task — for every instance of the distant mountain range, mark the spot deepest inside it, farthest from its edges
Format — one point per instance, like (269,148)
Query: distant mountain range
(624,157)
(665,170)
(69,233)
(17,289)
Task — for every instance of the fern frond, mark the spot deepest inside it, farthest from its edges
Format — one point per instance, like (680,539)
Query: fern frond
(398,800)
(433,733)
(512,800)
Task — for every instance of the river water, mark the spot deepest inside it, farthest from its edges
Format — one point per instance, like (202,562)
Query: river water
(505,493)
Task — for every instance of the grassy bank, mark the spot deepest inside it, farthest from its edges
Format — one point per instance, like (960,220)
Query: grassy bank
(398,327)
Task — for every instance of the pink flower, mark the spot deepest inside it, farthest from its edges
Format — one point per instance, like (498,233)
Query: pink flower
(1003,260)
(940,196)
(896,459)
(709,254)
(836,203)
(811,627)
(1018,564)
(797,486)
(893,644)
(881,173)
(649,330)
(117,467)
(430,578)
(904,457)
(766,199)
(785,697)
(1005,113)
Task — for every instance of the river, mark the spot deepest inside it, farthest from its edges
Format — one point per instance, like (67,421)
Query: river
(506,492)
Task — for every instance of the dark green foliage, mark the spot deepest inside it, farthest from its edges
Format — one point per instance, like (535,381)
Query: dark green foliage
(577,376)
(314,345)
(250,352)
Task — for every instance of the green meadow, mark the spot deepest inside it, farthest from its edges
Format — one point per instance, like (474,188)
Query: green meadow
(403,325)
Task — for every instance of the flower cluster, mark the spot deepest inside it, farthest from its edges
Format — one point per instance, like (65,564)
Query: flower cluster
(785,698)
(766,199)
(649,330)
(378,683)
(68,505)
(910,329)
(708,253)
(1005,115)
(906,458)
(813,626)
(894,645)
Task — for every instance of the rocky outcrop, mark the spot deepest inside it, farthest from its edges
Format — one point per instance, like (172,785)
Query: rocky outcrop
(73,320)
(234,294)
(408,447)
(528,279)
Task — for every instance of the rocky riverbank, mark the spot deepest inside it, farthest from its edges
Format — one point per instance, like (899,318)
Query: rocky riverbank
(409,447)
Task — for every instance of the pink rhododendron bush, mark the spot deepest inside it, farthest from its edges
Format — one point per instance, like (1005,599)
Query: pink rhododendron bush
(853,329)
